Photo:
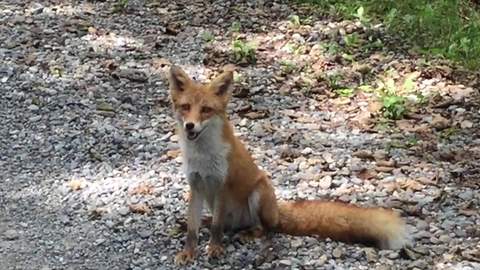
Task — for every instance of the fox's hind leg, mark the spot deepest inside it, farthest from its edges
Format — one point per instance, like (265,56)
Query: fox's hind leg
(267,208)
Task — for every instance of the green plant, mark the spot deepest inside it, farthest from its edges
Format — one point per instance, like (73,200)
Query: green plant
(243,51)
(447,133)
(235,27)
(287,66)
(332,48)
(439,28)
(352,40)
(345,92)
(120,5)
(360,15)
(208,36)
(294,20)
(393,106)
(333,80)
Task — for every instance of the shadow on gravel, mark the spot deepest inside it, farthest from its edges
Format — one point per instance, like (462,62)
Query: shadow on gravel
(90,165)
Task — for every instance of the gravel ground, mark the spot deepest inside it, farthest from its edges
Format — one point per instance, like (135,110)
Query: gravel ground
(90,169)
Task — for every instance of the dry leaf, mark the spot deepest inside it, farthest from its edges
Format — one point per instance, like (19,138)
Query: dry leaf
(391,186)
(384,169)
(76,184)
(142,189)
(366,174)
(374,106)
(468,212)
(256,115)
(364,154)
(92,30)
(466,124)
(459,94)
(187,196)
(411,184)
(173,153)
(386,163)
(97,213)
(440,122)
(140,208)
(406,125)
(328,157)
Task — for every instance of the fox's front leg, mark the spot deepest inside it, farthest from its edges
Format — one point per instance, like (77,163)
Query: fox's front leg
(187,255)
(215,248)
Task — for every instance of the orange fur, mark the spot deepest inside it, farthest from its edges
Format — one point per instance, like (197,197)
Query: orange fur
(343,222)
(244,196)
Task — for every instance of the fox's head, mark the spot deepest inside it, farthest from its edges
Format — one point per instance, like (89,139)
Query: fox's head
(197,104)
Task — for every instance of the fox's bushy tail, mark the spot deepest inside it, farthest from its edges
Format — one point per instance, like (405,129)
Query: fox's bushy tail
(377,227)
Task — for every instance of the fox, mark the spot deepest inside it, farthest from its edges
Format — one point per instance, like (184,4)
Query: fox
(223,175)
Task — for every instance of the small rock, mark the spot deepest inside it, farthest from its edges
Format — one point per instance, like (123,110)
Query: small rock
(124,211)
(10,235)
(393,255)
(307,151)
(325,182)
(439,122)
(337,253)
(33,107)
(298,38)
(285,262)
(466,124)
(296,243)
(370,254)
(322,260)
(144,233)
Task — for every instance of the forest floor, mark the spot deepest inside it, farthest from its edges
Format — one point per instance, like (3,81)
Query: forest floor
(90,172)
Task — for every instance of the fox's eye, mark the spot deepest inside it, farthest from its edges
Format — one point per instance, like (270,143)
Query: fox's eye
(207,110)
(185,107)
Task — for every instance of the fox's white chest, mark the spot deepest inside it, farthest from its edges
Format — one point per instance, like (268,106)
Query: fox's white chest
(206,157)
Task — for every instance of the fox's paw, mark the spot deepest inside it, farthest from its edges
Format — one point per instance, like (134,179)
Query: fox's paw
(185,257)
(249,235)
(214,250)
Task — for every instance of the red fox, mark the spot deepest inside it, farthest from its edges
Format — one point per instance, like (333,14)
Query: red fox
(222,173)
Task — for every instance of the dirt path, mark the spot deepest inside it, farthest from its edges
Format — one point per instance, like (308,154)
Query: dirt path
(90,174)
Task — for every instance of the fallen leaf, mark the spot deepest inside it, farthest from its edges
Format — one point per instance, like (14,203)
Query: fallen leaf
(97,213)
(161,62)
(468,212)
(256,115)
(104,106)
(411,184)
(380,155)
(439,122)
(384,169)
(386,163)
(142,189)
(391,186)
(374,106)
(366,174)
(466,124)
(364,154)
(459,94)
(140,208)
(91,30)
(76,184)
(328,157)
(173,153)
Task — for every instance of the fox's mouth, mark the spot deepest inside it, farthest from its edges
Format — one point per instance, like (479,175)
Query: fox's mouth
(192,135)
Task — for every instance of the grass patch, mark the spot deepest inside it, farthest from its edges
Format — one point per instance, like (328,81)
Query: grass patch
(441,28)
(244,52)
(120,5)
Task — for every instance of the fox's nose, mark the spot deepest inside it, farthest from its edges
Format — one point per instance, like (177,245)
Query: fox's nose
(189,126)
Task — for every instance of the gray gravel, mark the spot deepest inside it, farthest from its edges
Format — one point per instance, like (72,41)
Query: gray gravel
(90,177)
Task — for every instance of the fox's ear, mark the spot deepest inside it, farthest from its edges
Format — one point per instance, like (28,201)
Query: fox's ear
(178,79)
(223,84)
